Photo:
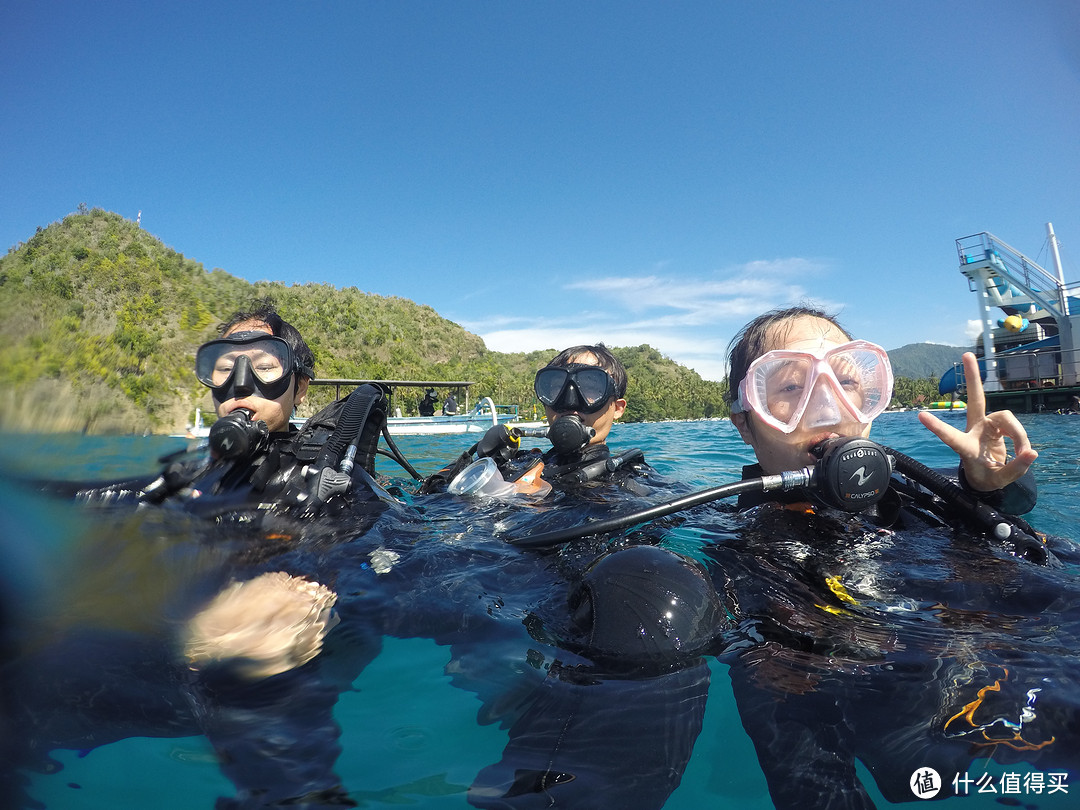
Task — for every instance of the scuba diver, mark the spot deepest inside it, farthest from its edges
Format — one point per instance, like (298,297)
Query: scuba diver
(583,392)
(258,373)
(797,378)
(625,626)
(236,650)
(856,660)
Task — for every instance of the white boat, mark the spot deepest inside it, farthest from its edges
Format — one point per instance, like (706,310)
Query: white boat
(196,430)
(485,415)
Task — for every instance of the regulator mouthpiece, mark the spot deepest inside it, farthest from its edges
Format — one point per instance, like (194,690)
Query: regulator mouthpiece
(852,473)
(568,434)
(236,435)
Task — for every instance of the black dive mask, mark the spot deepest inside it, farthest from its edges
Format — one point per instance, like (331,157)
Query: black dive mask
(246,363)
(568,434)
(577,387)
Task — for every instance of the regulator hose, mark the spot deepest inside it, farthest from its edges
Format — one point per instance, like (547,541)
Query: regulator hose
(838,481)
(397,455)
(851,473)
(763,484)
(1004,528)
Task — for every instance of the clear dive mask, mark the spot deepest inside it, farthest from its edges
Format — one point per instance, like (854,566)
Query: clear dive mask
(814,389)
(246,363)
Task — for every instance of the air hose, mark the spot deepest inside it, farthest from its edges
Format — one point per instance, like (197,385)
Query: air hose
(851,474)
(784,481)
(397,455)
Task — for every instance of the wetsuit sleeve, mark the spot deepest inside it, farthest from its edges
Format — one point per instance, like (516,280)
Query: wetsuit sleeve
(1018,498)
(438,481)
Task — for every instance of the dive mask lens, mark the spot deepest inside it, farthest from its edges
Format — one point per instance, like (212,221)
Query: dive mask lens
(549,384)
(780,385)
(577,387)
(265,359)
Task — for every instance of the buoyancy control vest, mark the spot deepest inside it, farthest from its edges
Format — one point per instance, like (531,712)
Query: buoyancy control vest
(299,469)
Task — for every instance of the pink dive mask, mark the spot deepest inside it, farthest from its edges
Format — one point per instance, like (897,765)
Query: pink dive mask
(786,388)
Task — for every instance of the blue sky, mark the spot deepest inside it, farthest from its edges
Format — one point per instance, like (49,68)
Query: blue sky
(549,173)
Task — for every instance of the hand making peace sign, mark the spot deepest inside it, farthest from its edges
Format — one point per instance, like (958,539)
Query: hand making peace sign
(981,446)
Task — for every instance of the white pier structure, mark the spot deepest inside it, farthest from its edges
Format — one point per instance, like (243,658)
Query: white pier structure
(1005,278)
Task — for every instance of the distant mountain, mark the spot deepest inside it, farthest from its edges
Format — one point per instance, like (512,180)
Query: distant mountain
(917,361)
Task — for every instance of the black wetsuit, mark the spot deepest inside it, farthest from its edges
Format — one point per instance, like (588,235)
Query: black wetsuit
(427,405)
(900,637)
(212,523)
(606,664)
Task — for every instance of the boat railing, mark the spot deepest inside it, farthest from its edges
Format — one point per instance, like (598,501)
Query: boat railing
(985,248)
(1019,370)
(488,404)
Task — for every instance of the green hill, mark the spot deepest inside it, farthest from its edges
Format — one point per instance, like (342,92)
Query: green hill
(918,361)
(100,322)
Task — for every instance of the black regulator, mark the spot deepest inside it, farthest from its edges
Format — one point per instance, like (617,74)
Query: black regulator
(237,435)
(851,474)
(568,434)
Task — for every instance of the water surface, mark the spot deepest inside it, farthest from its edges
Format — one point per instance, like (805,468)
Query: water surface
(410,738)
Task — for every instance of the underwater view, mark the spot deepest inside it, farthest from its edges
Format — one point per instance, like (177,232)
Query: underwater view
(850,666)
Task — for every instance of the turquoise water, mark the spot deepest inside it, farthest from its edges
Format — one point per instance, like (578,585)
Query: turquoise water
(410,738)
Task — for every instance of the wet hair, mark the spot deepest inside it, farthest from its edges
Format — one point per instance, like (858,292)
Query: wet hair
(604,359)
(266,312)
(754,339)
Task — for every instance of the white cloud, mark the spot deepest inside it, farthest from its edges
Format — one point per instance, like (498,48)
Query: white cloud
(742,291)
(689,319)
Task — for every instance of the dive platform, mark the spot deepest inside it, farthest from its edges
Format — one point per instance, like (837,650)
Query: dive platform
(1028,356)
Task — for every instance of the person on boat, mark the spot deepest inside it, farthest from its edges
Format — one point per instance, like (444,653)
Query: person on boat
(450,406)
(428,403)
(855,610)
